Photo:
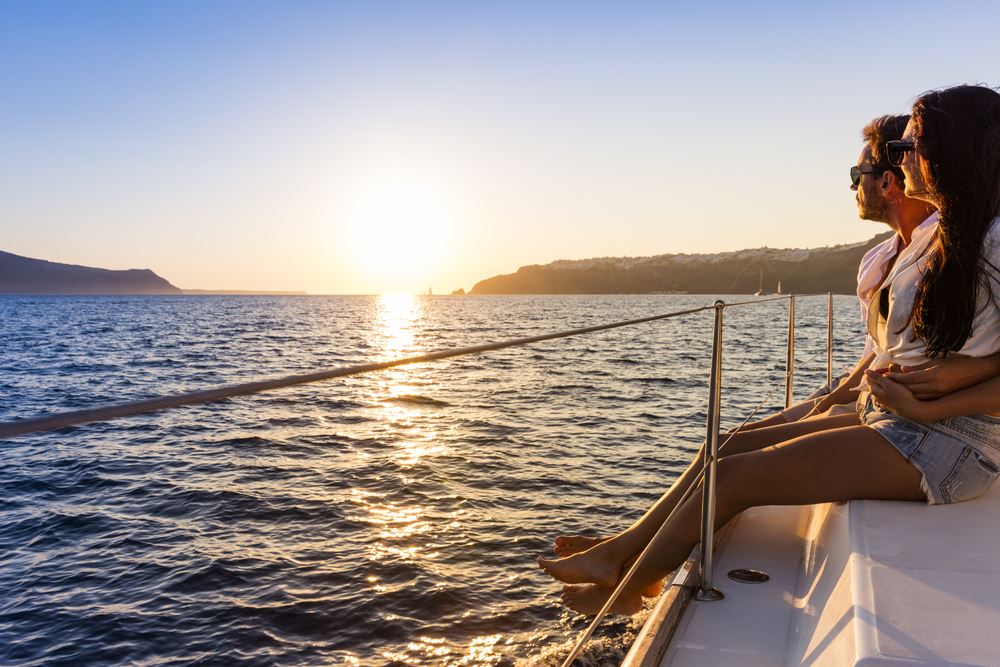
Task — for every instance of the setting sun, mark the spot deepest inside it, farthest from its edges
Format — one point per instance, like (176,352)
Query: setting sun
(400,230)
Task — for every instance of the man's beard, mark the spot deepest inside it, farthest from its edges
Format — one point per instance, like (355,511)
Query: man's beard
(877,210)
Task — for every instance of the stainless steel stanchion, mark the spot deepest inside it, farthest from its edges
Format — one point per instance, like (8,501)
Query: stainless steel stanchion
(706,592)
(790,357)
(829,340)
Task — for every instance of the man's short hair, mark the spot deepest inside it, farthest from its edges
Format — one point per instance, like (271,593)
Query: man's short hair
(879,131)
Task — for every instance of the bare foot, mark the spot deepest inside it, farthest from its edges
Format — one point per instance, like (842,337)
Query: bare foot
(653,590)
(594,566)
(589,598)
(567,545)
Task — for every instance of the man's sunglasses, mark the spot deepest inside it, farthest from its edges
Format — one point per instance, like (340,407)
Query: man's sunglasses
(856,174)
(895,150)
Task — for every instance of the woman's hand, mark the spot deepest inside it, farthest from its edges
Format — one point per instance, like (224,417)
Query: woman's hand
(939,377)
(898,398)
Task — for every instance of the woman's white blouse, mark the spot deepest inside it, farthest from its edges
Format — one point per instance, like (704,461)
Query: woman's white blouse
(893,338)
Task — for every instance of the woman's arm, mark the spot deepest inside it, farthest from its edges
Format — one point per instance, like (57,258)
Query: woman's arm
(979,399)
(939,377)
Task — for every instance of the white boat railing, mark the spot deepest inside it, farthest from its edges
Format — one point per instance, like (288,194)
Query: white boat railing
(706,592)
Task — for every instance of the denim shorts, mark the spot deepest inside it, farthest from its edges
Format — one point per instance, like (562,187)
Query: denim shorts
(958,457)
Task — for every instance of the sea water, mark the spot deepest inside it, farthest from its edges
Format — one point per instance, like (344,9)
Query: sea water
(386,519)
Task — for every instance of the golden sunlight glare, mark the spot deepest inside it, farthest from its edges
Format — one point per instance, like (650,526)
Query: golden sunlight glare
(399,230)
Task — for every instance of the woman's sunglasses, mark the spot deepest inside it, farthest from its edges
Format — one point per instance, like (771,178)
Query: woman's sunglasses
(895,150)
(856,174)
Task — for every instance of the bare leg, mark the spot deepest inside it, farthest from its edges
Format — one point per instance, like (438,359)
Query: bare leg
(841,464)
(601,564)
(771,433)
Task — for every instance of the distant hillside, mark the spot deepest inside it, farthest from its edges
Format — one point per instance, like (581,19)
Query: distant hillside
(23,275)
(830,269)
(241,292)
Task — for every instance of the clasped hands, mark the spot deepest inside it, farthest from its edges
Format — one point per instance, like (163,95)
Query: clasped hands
(911,391)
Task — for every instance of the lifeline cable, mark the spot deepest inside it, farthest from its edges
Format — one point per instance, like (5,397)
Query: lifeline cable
(107,413)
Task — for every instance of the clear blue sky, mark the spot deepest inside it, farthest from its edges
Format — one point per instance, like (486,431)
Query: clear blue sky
(274,145)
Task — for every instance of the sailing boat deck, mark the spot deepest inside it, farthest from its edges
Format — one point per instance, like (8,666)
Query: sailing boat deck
(863,583)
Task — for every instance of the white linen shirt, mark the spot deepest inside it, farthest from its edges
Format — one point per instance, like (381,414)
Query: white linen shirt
(872,269)
(893,338)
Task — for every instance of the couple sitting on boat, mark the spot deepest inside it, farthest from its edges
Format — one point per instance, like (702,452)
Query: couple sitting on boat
(923,428)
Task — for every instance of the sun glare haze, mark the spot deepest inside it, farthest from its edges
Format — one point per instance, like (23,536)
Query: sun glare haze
(398,232)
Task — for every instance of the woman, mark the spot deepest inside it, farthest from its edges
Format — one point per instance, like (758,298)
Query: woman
(938,299)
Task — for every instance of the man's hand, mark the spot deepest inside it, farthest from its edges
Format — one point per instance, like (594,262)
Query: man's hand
(938,377)
(897,397)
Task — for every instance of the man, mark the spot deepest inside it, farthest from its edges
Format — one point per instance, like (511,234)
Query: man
(879,196)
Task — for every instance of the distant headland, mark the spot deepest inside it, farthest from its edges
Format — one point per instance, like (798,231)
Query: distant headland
(817,270)
(24,275)
(828,269)
(231,292)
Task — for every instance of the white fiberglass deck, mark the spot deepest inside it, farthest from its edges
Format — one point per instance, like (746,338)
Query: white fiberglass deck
(866,583)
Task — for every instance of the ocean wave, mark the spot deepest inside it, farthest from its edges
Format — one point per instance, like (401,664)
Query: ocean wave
(416,399)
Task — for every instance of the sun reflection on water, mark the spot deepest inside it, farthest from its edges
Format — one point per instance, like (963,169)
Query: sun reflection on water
(403,530)
(397,314)
(413,452)
(411,528)
(424,650)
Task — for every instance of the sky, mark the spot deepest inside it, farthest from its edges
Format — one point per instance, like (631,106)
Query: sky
(378,147)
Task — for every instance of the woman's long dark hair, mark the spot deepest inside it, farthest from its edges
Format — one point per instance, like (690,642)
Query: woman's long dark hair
(958,133)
